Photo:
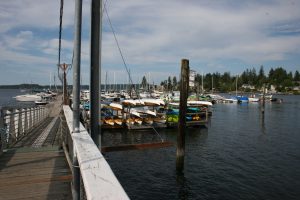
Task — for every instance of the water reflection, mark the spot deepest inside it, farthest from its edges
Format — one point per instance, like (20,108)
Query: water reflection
(182,186)
(262,123)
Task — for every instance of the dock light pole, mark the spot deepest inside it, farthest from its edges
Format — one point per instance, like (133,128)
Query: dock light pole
(96,23)
(184,87)
(65,67)
(76,94)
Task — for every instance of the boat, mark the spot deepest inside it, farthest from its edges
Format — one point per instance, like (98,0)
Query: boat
(118,121)
(116,106)
(139,121)
(242,99)
(160,120)
(153,102)
(253,99)
(109,121)
(28,98)
(148,120)
(130,121)
(41,103)
(204,103)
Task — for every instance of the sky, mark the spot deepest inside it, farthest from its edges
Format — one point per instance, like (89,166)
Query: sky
(215,36)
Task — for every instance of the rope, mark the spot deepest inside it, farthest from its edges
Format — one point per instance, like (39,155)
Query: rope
(123,59)
(119,48)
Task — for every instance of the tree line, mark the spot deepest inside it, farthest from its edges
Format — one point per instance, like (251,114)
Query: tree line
(282,80)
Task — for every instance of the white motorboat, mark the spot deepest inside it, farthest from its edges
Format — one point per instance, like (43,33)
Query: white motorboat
(28,98)
(253,99)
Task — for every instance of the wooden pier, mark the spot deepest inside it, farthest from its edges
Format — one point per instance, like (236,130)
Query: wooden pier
(32,164)
(35,174)
(36,150)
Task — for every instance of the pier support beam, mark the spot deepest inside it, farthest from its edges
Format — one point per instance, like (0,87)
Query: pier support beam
(184,86)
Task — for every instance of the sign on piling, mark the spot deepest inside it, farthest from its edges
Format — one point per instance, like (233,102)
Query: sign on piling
(184,86)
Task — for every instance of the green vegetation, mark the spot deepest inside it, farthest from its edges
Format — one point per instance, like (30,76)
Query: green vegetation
(279,78)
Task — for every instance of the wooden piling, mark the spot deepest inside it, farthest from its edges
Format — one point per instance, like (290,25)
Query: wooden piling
(184,86)
(263,100)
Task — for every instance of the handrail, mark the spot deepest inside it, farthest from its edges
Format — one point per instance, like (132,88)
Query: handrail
(17,122)
(98,179)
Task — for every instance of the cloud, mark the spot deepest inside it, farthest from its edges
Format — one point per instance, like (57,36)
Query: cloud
(155,35)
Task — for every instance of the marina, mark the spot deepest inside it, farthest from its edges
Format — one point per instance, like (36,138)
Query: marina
(133,146)
(146,100)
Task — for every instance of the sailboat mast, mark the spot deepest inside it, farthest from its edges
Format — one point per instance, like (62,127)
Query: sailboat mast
(50,80)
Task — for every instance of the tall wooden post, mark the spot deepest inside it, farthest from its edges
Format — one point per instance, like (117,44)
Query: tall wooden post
(263,100)
(184,86)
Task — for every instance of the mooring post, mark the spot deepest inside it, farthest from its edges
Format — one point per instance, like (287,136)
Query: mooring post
(95,131)
(263,102)
(184,86)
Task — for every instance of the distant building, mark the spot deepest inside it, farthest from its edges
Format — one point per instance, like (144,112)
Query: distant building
(248,86)
(272,89)
(296,88)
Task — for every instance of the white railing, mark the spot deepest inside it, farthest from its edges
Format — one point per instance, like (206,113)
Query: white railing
(17,122)
(99,181)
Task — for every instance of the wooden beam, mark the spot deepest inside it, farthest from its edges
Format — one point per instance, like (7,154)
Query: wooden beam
(127,147)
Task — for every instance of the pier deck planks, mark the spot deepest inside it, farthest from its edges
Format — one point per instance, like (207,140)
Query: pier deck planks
(34,175)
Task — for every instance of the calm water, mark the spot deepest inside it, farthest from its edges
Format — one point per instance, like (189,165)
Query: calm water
(239,156)
(6,98)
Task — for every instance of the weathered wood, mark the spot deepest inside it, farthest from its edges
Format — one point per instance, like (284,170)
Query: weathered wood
(98,178)
(34,175)
(263,100)
(184,87)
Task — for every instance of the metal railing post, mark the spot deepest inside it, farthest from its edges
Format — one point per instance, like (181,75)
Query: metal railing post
(39,114)
(34,116)
(76,93)
(11,124)
(30,118)
(26,120)
(23,120)
(2,131)
(19,122)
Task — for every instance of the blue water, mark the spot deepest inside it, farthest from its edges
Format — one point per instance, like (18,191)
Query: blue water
(240,155)
(7,98)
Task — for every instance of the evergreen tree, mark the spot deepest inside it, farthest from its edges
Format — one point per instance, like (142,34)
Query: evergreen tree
(297,76)
(261,77)
(169,83)
(144,82)
(175,83)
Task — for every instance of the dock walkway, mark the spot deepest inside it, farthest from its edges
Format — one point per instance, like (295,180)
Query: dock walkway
(34,167)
